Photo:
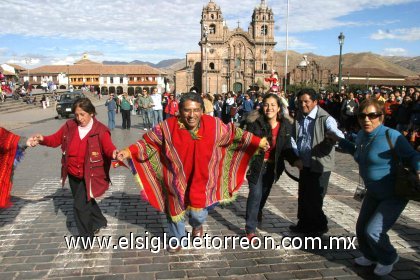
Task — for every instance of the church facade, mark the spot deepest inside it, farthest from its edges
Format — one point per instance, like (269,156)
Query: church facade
(230,59)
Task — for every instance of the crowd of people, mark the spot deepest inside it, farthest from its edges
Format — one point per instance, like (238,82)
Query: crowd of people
(198,148)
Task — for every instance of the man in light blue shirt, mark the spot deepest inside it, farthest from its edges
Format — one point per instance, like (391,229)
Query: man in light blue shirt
(317,154)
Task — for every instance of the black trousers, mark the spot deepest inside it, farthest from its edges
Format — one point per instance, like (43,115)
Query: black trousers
(312,189)
(87,214)
(126,119)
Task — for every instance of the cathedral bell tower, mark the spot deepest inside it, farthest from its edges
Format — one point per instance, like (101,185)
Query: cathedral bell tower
(263,23)
(211,22)
(262,28)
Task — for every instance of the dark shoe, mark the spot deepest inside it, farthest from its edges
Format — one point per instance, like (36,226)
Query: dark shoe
(197,232)
(96,231)
(298,229)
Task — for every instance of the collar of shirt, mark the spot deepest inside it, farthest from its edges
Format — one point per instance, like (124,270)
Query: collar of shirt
(83,131)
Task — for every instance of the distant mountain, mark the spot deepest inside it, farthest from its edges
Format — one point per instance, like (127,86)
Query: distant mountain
(114,62)
(168,63)
(162,64)
(407,66)
(350,60)
(411,63)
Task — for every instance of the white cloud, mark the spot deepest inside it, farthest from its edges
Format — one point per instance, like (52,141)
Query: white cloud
(394,52)
(407,34)
(66,61)
(138,28)
(294,43)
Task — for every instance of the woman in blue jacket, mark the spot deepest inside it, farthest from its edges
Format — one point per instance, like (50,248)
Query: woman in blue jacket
(381,207)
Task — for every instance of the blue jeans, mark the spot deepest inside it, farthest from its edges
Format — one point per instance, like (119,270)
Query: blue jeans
(376,217)
(111,119)
(257,197)
(157,117)
(196,219)
(147,115)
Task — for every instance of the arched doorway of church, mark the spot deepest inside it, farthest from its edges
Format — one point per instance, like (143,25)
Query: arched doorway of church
(237,87)
(119,90)
(111,90)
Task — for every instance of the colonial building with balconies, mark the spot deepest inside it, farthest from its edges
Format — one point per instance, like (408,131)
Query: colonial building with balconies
(104,78)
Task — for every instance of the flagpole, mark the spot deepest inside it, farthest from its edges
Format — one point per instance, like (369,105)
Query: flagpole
(287,49)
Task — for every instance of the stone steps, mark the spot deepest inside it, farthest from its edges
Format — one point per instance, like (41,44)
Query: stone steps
(12,105)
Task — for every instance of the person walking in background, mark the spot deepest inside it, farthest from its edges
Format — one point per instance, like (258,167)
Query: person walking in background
(317,154)
(377,167)
(146,104)
(87,153)
(217,106)
(208,104)
(227,106)
(183,169)
(171,109)
(112,108)
(267,167)
(157,107)
(126,108)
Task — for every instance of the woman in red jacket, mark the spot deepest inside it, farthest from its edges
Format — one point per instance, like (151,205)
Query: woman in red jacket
(171,109)
(87,151)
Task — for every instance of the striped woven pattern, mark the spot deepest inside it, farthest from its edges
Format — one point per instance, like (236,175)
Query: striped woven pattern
(8,148)
(176,172)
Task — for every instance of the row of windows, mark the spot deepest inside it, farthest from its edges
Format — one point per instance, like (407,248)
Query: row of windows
(212,16)
(263,31)
(263,66)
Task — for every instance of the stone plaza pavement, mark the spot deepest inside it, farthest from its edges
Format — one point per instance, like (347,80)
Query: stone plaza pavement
(32,231)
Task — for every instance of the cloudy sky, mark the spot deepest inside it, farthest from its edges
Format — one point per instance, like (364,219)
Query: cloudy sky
(39,32)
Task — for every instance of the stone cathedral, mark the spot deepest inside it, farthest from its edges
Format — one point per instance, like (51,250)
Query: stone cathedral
(230,59)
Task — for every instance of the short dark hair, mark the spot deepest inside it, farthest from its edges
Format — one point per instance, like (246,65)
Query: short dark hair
(309,91)
(85,104)
(192,96)
(379,106)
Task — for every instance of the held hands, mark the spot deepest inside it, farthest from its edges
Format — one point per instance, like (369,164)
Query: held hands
(123,154)
(331,135)
(264,145)
(115,154)
(34,140)
(298,164)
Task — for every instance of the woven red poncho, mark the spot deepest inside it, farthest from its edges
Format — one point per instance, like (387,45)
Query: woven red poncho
(177,170)
(8,148)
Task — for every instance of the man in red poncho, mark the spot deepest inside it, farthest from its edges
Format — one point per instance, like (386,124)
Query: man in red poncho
(185,165)
(12,147)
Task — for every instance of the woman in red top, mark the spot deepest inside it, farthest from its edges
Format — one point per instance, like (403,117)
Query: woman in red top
(391,107)
(267,167)
(87,153)
(171,109)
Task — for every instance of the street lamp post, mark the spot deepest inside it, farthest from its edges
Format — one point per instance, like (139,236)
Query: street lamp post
(28,61)
(206,33)
(341,42)
(68,77)
(367,80)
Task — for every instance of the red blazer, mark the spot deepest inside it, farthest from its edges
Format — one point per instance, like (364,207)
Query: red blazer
(97,159)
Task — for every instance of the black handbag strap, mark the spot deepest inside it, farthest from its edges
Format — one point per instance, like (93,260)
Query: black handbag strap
(291,176)
(391,146)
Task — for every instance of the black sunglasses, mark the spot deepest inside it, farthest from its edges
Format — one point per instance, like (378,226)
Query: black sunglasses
(371,116)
